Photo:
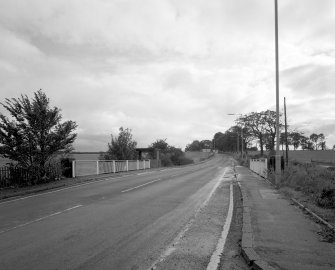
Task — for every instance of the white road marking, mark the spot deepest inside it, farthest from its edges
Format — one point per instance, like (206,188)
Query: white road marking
(41,218)
(147,183)
(143,173)
(61,189)
(172,247)
(216,256)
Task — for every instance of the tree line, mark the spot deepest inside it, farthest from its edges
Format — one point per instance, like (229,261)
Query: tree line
(259,128)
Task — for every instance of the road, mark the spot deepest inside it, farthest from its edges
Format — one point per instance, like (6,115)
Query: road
(152,219)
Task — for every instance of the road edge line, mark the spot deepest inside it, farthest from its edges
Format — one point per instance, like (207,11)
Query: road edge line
(216,256)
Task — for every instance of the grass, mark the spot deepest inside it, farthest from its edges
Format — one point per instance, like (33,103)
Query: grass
(311,185)
(306,156)
(197,156)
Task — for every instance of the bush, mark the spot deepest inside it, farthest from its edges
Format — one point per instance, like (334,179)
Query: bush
(326,198)
(316,182)
(185,161)
(166,161)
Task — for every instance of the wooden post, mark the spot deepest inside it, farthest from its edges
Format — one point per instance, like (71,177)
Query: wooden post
(73,168)
(286,142)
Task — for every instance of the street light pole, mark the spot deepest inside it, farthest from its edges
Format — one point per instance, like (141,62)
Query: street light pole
(278,157)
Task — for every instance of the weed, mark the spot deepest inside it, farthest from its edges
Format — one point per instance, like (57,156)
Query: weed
(318,183)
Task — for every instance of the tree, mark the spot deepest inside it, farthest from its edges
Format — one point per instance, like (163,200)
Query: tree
(262,126)
(296,139)
(314,139)
(160,145)
(121,147)
(194,146)
(322,142)
(206,144)
(169,155)
(34,134)
(306,143)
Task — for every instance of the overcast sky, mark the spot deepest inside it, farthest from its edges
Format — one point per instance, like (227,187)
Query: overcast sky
(170,69)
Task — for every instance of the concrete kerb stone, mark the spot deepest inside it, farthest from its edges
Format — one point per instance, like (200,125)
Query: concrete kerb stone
(331,227)
(247,248)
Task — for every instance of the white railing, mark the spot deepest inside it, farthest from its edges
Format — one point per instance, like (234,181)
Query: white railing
(259,166)
(96,167)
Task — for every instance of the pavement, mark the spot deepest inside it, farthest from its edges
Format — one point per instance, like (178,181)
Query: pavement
(276,234)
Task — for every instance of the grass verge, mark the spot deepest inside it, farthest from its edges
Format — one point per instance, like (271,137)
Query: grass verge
(312,186)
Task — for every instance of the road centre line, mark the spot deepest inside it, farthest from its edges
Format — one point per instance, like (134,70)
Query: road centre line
(41,218)
(71,187)
(143,173)
(147,183)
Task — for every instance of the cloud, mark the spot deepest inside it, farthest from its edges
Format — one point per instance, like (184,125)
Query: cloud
(167,69)
(309,79)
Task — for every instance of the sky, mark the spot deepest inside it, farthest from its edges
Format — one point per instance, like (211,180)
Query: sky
(170,69)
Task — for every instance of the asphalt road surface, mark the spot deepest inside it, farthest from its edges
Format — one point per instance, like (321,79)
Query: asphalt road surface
(165,219)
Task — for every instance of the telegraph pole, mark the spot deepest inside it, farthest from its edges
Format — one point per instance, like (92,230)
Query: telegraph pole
(286,142)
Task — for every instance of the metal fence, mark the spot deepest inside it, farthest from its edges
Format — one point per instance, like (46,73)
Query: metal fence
(96,167)
(12,176)
(259,166)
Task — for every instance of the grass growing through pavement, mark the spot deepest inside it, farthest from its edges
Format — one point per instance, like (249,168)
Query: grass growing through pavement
(313,186)
(318,183)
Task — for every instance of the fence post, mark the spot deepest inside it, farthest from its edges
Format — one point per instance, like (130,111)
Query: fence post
(97,167)
(149,164)
(143,164)
(114,169)
(127,165)
(137,164)
(73,168)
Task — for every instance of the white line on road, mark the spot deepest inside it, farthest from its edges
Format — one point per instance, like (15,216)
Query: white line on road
(171,248)
(41,218)
(61,189)
(216,256)
(143,173)
(126,190)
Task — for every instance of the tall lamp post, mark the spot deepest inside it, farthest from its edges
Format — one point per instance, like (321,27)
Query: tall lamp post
(242,151)
(278,157)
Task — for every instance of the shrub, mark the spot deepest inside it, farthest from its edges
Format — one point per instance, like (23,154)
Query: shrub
(316,182)
(326,198)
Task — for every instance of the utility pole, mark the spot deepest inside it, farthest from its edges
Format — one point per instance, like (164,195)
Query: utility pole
(238,143)
(278,157)
(286,142)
